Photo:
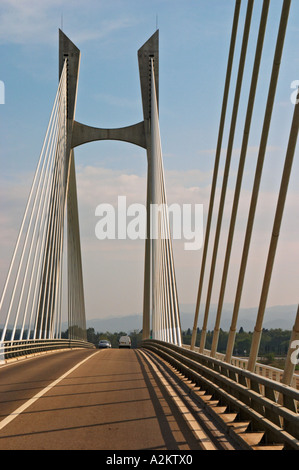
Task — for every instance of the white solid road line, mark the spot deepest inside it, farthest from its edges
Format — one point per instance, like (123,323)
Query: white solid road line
(28,403)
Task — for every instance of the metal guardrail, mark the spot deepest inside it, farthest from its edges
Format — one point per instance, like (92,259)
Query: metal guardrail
(268,405)
(270,372)
(23,348)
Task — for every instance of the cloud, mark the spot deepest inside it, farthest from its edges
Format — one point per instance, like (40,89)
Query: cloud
(22,22)
(35,21)
(106,28)
(113,269)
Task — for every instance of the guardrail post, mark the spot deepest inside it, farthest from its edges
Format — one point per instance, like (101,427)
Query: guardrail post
(271,395)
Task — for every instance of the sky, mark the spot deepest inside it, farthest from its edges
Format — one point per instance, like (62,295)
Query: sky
(194,43)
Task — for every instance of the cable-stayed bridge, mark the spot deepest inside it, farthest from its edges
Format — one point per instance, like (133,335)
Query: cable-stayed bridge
(217,401)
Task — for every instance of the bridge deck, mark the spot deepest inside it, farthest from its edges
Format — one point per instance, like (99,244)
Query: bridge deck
(115,400)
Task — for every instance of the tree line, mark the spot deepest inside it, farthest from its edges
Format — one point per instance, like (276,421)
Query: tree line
(273,341)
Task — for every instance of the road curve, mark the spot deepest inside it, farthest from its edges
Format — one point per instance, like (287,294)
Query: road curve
(115,399)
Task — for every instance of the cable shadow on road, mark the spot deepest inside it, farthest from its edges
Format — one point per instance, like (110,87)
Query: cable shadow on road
(62,395)
(165,421)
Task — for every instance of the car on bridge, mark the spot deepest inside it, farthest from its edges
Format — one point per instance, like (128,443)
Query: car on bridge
(104,344)
(124,342)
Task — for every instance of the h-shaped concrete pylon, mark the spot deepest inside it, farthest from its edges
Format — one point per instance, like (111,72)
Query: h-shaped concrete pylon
(138,134)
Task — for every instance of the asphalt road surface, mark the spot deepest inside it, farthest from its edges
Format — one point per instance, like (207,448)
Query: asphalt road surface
(115,399)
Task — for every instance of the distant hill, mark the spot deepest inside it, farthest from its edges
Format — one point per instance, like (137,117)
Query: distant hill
(281,316)
(116,324)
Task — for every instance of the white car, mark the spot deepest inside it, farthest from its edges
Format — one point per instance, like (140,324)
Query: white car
(124,342)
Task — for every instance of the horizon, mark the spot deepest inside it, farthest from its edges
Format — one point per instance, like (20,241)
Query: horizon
(283,319)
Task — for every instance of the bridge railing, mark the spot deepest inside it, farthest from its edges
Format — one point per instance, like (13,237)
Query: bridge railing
(268,405)
(269,372)
(23,348)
